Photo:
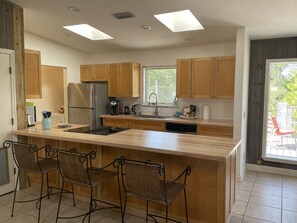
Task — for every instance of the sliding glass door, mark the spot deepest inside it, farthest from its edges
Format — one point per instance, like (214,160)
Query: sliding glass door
(280,111)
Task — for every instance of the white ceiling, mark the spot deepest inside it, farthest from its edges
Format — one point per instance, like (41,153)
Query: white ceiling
(220,18)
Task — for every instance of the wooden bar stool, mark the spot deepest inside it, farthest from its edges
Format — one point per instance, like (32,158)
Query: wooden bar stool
(146,181)
(27,158)
(77,168)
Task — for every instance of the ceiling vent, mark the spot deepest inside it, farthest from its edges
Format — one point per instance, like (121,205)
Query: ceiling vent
(123,15)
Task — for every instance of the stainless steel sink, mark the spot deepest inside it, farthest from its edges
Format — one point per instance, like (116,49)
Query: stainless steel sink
(150,116)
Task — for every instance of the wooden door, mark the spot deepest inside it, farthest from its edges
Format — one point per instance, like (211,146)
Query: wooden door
(183,78)
(7,95)
(100,72)
(224,77)
(113,79)
(125,80)
(202,77)
(33,74)
(86,73)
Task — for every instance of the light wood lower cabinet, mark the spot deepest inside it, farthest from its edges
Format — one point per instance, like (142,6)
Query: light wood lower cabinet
(210,187)
(147,125)
(124,123)
(212,130)
(206,130)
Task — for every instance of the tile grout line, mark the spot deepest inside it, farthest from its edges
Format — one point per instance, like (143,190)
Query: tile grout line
(249,197)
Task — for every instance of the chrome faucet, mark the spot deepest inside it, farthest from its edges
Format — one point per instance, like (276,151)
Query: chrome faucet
(156,112)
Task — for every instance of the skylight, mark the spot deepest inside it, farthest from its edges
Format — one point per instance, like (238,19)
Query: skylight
(88,31)
(180,21)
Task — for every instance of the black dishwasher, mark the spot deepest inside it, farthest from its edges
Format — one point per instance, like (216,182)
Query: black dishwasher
(181,128)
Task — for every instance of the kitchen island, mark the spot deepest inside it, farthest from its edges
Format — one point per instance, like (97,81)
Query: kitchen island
(210,187)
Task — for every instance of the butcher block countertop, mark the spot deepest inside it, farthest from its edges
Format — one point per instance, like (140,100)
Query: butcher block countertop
(195,146)
(216,122)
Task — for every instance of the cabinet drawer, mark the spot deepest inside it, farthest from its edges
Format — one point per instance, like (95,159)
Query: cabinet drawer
(115,122)
(147,125)
(220,131)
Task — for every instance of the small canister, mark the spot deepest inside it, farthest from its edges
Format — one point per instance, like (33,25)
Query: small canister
(126,110)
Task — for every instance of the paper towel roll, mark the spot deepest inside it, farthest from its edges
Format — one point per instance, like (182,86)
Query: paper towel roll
(206,112)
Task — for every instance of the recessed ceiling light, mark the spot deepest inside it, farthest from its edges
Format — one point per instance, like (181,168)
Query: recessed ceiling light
(73,9)
(180,21)
(88,31)
(145,27)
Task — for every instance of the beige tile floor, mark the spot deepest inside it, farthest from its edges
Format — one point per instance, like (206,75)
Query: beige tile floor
(27,212)
(260,198)
(265,197)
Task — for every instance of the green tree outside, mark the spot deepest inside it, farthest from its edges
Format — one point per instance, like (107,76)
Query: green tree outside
(161,81)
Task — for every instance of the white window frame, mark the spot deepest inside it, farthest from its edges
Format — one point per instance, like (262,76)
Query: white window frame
(144,87)
(266,157)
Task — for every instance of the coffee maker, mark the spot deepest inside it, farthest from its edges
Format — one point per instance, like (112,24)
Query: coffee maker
(114,107)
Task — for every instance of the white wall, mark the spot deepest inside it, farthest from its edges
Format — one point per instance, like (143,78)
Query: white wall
(56,54)
(220,109)
(241,97)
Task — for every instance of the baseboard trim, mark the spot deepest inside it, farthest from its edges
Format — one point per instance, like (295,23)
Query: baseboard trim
(269,169)
(239,179)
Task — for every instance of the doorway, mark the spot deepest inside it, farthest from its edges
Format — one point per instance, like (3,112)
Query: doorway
(280,111)
(8,114)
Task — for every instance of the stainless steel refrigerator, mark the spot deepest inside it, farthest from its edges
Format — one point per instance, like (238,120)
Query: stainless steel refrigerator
(86,102)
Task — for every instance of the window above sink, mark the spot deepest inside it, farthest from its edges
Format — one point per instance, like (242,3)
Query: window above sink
(162,81)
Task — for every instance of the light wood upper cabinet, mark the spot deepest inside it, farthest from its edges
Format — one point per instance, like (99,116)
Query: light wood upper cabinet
(113,76)
(206,77)
(33,74)
(202,84)
(183,78)
(224,77)
(93,72)
(124,80)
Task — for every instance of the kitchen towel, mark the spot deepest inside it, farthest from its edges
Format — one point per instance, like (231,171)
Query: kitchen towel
(206,112)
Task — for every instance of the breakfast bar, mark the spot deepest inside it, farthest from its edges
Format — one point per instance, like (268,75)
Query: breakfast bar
(210,187)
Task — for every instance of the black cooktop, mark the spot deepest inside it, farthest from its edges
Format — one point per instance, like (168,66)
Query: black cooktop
(102,130)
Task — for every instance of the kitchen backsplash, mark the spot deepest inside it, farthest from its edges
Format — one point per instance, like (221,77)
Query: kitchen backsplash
(219,109)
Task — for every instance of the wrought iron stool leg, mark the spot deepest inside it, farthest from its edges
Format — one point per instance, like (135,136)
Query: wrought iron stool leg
(186,205)
(146,217)
(60,199)
(40,198)
(14,195)
(124,209)
(73,199)
(166,213)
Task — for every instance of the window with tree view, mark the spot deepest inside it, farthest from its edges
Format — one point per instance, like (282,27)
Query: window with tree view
(280,117)
(162,82)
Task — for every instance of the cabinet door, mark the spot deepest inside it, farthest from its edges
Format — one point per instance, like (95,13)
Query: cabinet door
(86,73)
(183,78)
(219,131)
(100,72)
(136,80)
(115,122)
(202,78)
(33,74)
(113,79)
(147,125)
(125,80)
(224,77)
